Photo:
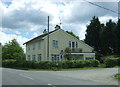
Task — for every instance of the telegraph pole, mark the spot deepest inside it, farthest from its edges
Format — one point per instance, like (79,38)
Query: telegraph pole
(48,42)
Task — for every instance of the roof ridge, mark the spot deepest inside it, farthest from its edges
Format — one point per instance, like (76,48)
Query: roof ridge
(40,36)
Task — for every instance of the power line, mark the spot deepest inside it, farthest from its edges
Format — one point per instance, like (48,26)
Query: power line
(102,7)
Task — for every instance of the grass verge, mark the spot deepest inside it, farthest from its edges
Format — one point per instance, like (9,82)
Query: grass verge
(56,69)
(117,76)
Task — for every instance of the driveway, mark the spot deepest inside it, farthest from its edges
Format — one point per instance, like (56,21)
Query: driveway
(105,76)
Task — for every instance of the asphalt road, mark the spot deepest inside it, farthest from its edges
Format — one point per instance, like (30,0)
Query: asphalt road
(22,77)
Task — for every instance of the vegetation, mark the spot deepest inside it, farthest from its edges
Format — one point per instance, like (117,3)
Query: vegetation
(117,76)
(50,65)
(71,33)
(111,62)
(104,38)
(12,50)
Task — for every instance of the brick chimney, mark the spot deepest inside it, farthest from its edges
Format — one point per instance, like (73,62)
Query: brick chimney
(57,27)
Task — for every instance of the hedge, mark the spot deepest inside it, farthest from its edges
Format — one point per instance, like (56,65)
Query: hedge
(111,62)
(50,64)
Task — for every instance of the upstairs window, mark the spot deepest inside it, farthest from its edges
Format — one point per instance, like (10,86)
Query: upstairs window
(39,45)
(33,46)
(55,44)
(73,44)
(76,45)
(28,47)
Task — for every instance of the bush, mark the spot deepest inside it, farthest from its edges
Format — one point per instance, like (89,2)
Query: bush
(8,63)
(51,65)
(94,63)
(111,62)
(78,64)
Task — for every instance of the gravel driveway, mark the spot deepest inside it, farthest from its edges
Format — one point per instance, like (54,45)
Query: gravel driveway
(105,76)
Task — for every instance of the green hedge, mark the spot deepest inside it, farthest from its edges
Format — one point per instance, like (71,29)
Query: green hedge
(111,62)
(51,65)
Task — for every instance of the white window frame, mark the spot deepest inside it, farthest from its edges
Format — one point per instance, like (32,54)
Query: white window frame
(33,46)
(39,45)
(55,57)
(55,44)
(33,57)
(39,57)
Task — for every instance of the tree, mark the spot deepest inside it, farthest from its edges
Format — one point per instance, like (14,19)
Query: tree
(117,37)
(71,33)
(92,36)
(12,50)
(108,38)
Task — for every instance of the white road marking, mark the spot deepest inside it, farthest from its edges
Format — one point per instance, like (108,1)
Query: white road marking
(26,76)
(51,85)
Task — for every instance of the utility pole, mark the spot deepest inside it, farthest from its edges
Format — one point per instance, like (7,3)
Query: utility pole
(48,42)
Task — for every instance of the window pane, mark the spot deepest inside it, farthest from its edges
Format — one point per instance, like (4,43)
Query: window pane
(73,44)
(39,57)
(69,43)
(76,45)
(39,45)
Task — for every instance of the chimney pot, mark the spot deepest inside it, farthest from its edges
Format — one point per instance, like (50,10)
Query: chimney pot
(45,31)
(57,27)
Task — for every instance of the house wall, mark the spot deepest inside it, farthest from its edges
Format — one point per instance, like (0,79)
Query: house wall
(37,50)
(63,42)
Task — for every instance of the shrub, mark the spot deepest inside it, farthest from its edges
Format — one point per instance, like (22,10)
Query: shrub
(78,64)
(94,63)
(66,64)
(50,64)
(111,62)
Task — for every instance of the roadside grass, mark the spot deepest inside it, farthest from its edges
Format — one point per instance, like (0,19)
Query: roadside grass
(117,76)
(60,69)
(101,66)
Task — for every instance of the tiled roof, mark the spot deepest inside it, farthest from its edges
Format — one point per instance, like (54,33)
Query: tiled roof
(41,36)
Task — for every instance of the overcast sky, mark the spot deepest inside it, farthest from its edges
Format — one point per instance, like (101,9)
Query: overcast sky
(26,19)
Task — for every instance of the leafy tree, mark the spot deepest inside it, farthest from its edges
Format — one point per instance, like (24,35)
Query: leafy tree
(92,36)
(12,50)
(71,33)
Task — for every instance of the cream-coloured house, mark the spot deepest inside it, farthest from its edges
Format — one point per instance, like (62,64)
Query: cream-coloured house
(40,49)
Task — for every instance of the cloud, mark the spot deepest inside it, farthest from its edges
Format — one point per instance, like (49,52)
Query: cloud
(17,32)
(31,15)
(82,12)
(35,34)
(5,38)
(24,15)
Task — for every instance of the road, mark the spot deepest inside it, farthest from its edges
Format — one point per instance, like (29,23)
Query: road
(82,77)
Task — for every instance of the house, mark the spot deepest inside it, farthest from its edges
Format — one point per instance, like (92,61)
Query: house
(60,46)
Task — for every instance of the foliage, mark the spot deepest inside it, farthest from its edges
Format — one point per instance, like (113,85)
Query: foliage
(12,50)
(117,76)
(50,65)
(108,38)
(117,38)
(71,33)
(104,38)
(92,36)
(111,62)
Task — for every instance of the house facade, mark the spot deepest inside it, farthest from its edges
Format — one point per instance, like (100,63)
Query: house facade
(40,49)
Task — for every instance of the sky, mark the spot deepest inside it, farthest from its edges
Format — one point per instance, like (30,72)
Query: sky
(26,19)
